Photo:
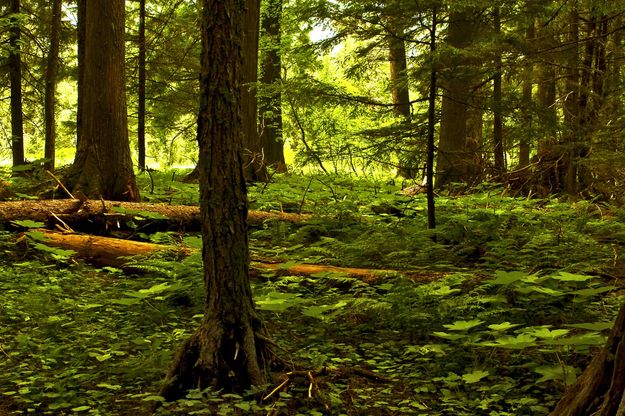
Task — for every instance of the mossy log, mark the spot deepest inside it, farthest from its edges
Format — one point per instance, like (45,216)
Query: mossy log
(108,251)
(98,216)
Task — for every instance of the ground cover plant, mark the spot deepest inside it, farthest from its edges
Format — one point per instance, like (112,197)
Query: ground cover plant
(495,313)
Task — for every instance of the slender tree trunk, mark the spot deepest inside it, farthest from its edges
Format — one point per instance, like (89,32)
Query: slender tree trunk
(500,163)
(270,102)
(527,107)
(80,78)
(255,168)
(15,75)
(228,351)
(571,103)
(141,98)
(546,94)
(103,166)
(51,75)
(432,125)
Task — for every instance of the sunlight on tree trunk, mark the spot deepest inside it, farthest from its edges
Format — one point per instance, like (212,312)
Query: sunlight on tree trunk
(15,75)
(51,75)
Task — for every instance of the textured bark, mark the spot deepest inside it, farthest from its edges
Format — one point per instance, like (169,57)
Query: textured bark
(141,98)
(398,76)
(99,216)
(15,75)
(81,33)
(528,85)
(255,169)
(270,103)
(228,350)
(432,125)
(500,161)
(456,161)
(102,166)
(51,75)
(599,390)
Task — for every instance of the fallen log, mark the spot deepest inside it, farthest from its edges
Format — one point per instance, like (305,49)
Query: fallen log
(108,251)
(92,215)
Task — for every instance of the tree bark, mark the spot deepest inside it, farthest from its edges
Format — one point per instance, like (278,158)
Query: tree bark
(399,81)
(432,125)
(102,166)
(15,75)
(51,75)
(456,159)
(229,350)
(81,34)
(254,164)
(599,390)
(141,97)
(527,112)
(500,161)
(270,102)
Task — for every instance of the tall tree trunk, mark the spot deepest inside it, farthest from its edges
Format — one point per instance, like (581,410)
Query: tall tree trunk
(399,82)
(255,168)
(81,34)
(270,102)
(15,75)
(228,351)
(103,166)
(500,162)
(141,98)
(527,111)
(571,106)
(51,75)
(456,157)
(546,94)
(432,124)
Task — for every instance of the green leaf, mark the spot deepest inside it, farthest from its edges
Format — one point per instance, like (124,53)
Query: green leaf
(444,291)
(243,406)
(558,372)
(504,278)
(110,386)
(593,326)
(451,337)
(475,376)
(593,292)
(53,250)
(463,325)
(570,277)
(513,342)
(29,224)
(81,408)
(545,333)
(504,326)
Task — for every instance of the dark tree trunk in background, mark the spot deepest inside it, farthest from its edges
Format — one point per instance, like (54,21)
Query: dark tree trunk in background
(432,125)
(15,75)
(141,98)
(571,101)
(102,166)
(228,350)
(546,93)
(255,169)
(527,112)
(599,390)
(500,161)
(456,159)
(51,75)
(80,77)
(270,103)
(399,80)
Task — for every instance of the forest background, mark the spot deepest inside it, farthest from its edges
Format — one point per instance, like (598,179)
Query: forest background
(511,111)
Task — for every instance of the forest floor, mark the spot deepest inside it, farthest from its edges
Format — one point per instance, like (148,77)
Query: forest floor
(512,297)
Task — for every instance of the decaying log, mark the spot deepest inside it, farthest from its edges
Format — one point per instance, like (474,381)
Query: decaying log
(111,215)
(107,251)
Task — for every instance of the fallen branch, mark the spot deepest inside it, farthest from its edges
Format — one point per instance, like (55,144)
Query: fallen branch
(108,251)
(88,215)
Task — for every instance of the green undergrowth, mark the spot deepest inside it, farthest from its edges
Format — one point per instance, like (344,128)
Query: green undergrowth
(512,297)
